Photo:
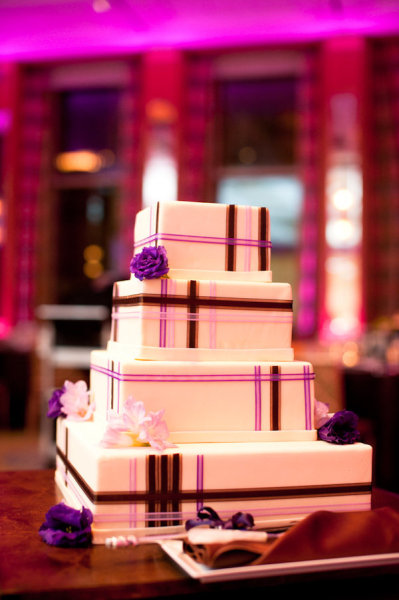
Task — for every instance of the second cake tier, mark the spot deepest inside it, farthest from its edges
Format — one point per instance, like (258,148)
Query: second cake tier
(171,319)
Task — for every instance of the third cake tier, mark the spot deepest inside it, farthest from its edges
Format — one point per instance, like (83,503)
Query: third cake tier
(211,401)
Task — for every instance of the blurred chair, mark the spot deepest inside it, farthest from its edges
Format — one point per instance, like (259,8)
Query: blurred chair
(66,336)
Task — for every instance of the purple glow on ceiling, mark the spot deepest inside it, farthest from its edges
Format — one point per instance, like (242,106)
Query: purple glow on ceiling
(34,29)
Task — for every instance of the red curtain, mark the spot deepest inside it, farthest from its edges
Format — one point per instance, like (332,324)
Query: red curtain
(310,164)
(381,227)
(30,167)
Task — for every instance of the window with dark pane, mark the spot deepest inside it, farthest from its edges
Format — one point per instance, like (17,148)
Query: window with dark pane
(86,230)
(258,119)
(88,121)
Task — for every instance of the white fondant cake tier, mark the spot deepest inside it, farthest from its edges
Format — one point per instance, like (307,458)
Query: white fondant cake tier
(202,237)
(214,315)
(211,399)
(135,490)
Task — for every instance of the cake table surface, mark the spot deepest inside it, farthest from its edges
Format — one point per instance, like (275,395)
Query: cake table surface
(31,569)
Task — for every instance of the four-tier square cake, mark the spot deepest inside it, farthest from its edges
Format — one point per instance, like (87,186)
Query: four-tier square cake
(197,399)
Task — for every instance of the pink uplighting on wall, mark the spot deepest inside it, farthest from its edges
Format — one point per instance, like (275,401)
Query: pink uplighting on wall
(32,29)
(5,328)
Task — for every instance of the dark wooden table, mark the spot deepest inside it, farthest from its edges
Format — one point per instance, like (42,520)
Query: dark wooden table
(30,569)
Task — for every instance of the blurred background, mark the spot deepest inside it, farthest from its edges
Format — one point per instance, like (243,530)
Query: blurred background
(107,106)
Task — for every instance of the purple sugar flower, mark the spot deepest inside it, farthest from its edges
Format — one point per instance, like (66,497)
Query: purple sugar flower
(240,520)
(54,404)
(67,527)
(150,263)
(207,516)
(340,429)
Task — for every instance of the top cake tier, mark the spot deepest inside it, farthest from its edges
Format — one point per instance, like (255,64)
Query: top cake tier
(208,241)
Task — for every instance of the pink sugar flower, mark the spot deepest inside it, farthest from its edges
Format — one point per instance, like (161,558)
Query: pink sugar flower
(136,428)
(133,415)
(75,401)
(116,435)
(155,431)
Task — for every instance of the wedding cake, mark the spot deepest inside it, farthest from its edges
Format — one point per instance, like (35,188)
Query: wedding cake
(197,399)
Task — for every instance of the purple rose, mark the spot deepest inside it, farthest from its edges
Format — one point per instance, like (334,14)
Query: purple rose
(150,263)
(340,429)
(67,527)
(54,404)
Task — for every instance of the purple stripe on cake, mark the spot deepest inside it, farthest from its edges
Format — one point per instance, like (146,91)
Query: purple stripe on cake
(214,315)
(66,451)
(114,323)
(307,394)
(132,488)
(171,317)
(157,223)
(202,239)
(113,385)
(118,392)
(163,313)
(248,234)
(200,479)
(223,377)
(109,381)
(258,398)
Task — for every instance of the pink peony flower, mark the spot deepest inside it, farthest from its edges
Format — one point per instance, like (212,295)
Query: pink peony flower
(75,401)
(116,436)
(135,428)
(155,431)
(133,415)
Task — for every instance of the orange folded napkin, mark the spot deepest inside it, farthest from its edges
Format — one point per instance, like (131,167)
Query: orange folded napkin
(321,535)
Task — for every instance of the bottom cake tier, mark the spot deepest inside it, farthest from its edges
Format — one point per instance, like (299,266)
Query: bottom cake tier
(140,491)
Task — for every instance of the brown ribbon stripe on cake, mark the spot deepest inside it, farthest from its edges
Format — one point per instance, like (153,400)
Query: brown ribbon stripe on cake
(264,253)
(231,214)
(163,483)
(275,399)
(193,301)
